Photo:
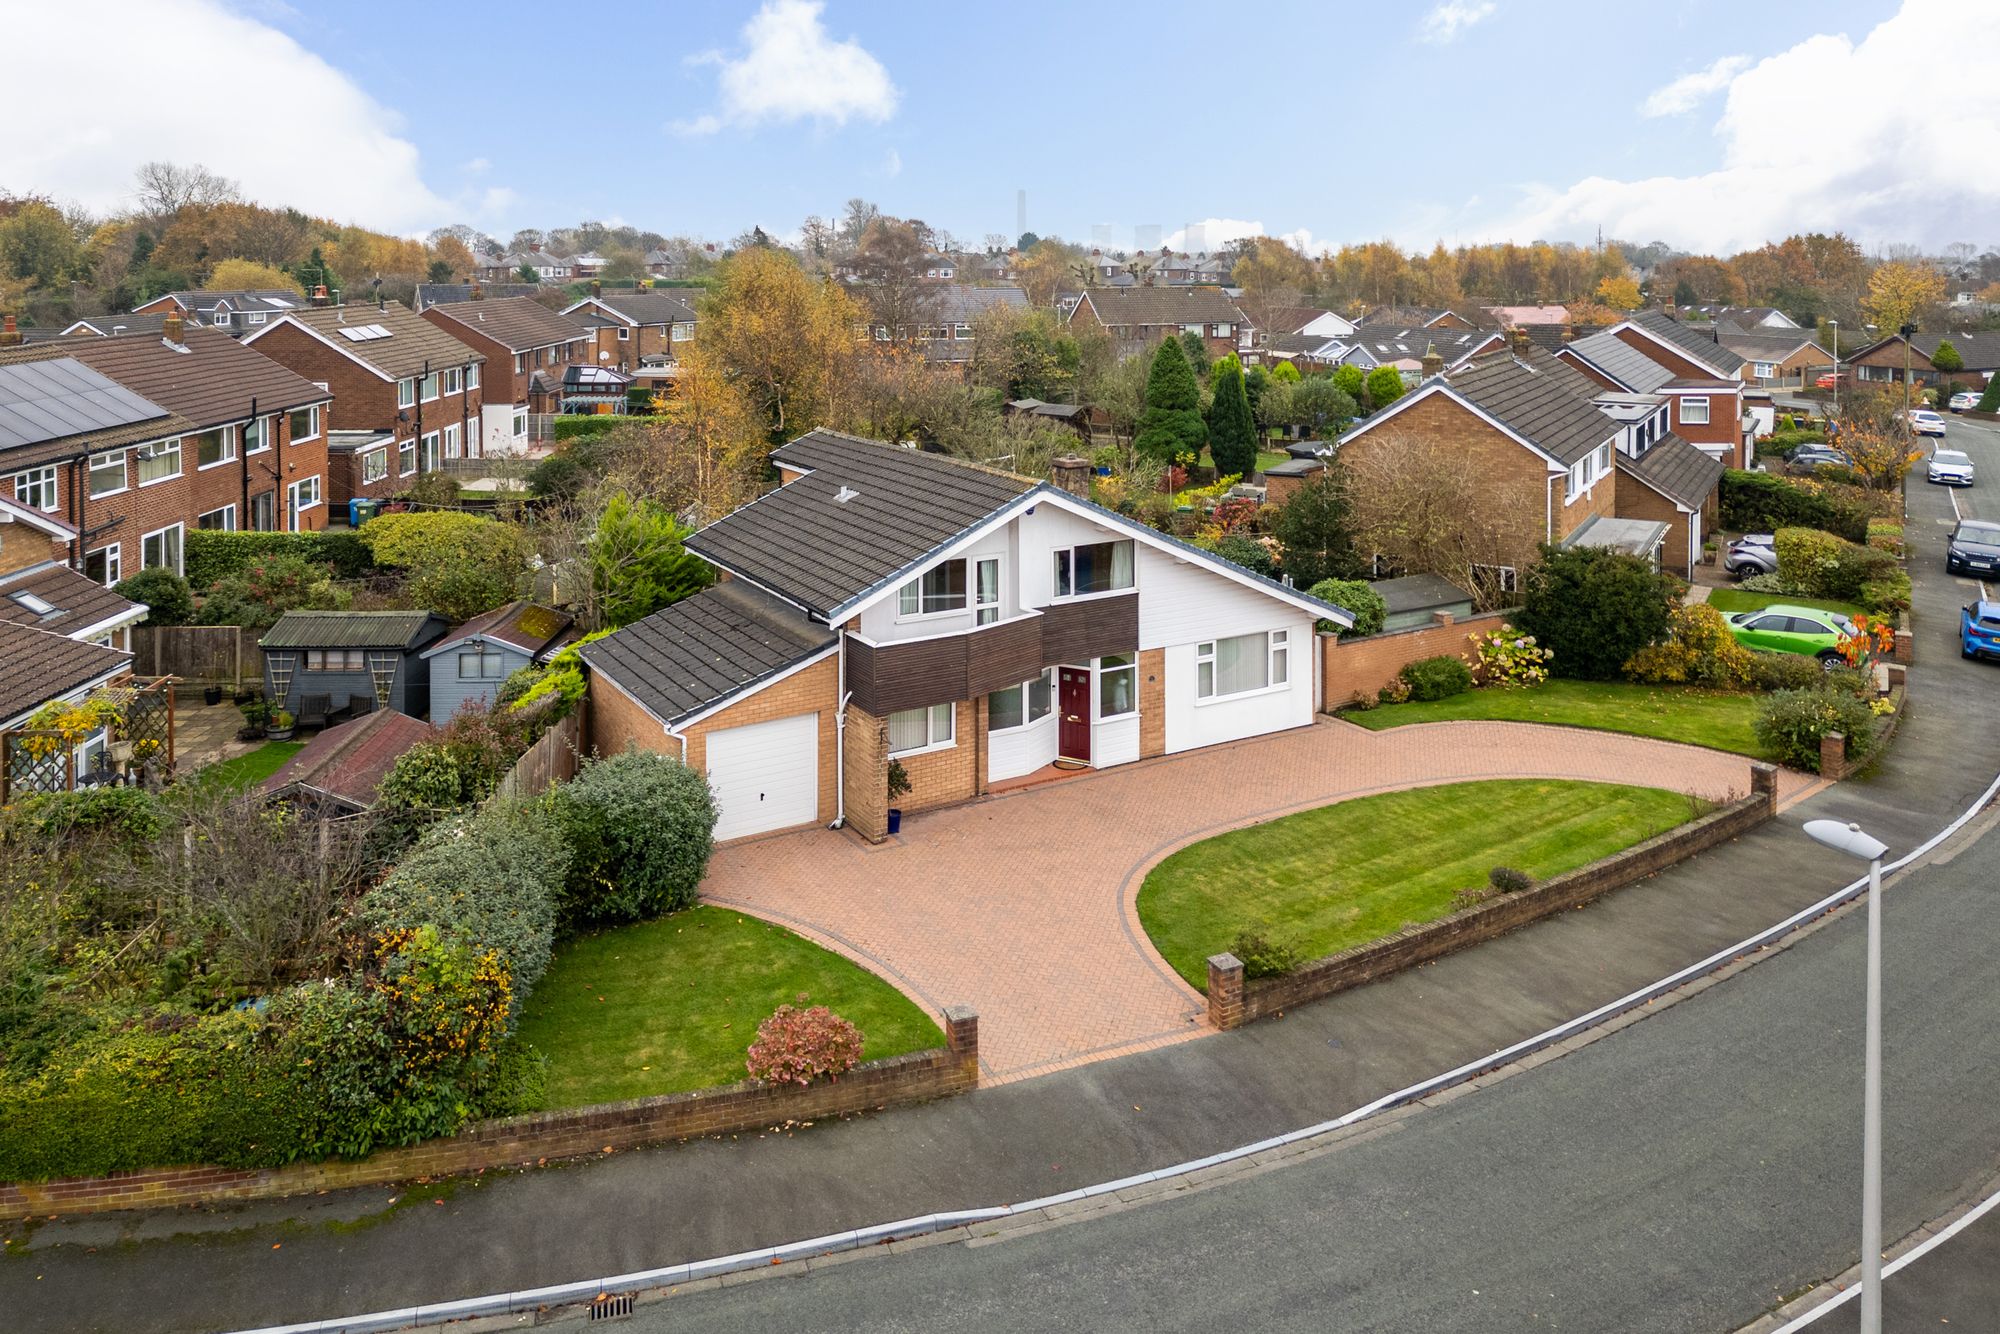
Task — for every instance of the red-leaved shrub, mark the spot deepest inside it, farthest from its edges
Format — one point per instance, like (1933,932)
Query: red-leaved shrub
(797,1046)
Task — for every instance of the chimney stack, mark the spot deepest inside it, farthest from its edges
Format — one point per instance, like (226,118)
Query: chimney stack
(1569,332)
(1433,363)
(478,292)
(596,287)
(1519,337)
(173,328)
(1072,474)
(319,294)
(10,333)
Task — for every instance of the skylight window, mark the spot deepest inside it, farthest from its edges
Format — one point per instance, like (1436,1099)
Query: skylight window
(38,605)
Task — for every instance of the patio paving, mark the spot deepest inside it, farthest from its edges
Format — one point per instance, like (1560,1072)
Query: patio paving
(1022,905)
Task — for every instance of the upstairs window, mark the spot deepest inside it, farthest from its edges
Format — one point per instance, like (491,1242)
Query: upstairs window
(1694,412)
(159,462)
(1099,567)
(107,473)
(938,590)
(212,447)
(406,393)
(36,488)
(305,424)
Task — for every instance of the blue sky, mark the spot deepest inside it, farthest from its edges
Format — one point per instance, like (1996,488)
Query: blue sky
(1465,120)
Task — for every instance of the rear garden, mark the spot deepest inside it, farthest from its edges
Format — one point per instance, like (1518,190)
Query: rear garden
(1312,884)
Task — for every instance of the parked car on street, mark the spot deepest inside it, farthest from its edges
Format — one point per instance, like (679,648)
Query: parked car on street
(1806,459)
(1783,628)
(1829,380)
(1963,400)
(1752,553)
(1979,629)
(1974,548)
(1925,422)
(1950,467)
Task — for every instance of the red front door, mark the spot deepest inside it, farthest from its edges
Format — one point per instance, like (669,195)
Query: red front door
(1073,697)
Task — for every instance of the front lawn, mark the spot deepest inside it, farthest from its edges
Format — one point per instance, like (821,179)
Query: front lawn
(1268,459)
(1343,875)
(1720,720)
(1726,600)
(249,769)
(673,1004)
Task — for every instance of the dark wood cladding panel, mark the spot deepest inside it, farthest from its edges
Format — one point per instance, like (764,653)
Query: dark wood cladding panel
(1003,655)
(893,677)
(1074,632)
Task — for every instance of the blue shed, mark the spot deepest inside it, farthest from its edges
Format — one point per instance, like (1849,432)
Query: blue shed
(472,661)
(358,660)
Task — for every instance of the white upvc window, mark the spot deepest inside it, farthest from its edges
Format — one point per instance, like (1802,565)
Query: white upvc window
(257,434)
(159,462)
(624,334)
(1117,685)
(938,590)
(454,381)
(1502,578)
(374,466)
(451,441)
(683,331)
(1242,664)
(305,424)
(254,317)
(472,376)
(1694,411)
(520,363)
(915,730)
(214,448)
(300,496)
(37,488)
(107,474)
(1017,706)
(428,455)
(520,423)
(427,387)
(406,393)
(161,548)
(217,521)
(986,590)
(406,457)
(106,565)
(1096,567)
(1764,370)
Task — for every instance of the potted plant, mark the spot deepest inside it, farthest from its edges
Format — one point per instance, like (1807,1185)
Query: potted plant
(280,727)
(899,786)
(211,695)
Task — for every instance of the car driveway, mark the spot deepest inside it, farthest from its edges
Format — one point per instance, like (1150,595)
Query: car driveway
(1022,905)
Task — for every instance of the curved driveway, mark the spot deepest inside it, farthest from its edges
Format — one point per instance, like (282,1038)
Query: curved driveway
(1022,905)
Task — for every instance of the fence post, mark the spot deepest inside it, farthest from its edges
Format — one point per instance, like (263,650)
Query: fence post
(1764,783)
(1225,991)
(1833,755)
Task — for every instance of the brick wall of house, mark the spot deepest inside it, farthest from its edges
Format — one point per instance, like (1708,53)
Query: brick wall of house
(1724,428)
(22,546)
(1152,702)
(363,400)
(1352,669)
(343,480)
(1636,500)
(624,354)
(617,721)
(954,774)
(497,381)
(867,790)
(812,690)
(1662,355)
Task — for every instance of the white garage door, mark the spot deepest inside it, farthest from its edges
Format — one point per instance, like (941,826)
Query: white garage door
(765,776)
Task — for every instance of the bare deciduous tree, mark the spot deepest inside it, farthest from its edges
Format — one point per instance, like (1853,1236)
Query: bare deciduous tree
(1425,507)
(165,188)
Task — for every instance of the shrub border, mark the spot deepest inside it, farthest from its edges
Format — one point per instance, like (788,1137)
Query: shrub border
(1233,1001)
(521,1141)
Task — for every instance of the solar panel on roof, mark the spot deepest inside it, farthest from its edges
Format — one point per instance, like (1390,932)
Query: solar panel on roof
(47,400)
(352,333)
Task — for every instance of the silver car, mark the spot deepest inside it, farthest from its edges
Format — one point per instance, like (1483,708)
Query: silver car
(1950,467)
(1752,553)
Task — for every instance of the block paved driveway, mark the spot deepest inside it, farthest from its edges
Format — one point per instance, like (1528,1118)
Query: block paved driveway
(1022,905)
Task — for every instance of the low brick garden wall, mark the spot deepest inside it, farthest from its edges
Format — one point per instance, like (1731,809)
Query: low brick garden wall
(1234,1001)
(519,1141)
(1353,668)
(1833,761)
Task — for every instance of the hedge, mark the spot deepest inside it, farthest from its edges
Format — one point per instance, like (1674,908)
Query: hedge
(1820,565)
(570,427)
(213,555)
(1761,502)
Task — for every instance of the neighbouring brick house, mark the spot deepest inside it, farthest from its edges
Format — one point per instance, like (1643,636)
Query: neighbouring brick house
(158,435)
(1137,318)
(1375,345)
(885,604)
(527,348)
(390,371)
(1776,357)
(235,313)
(631,326)
(1651,353)
(1881,363)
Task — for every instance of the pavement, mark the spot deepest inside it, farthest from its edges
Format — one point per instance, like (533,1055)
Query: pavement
(1695,1166)
(927,910)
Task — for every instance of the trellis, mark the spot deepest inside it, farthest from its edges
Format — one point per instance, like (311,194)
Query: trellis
(281,665)
(382,671)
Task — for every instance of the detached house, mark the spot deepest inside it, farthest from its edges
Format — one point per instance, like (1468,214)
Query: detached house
(131,441)
(527,347)
(631,326)
(972,626)
(395,374)
(235,313)
(1881,363)
(1138,318)
(1651,353)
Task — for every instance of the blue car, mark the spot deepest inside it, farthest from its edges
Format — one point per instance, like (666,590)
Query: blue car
(1979,630)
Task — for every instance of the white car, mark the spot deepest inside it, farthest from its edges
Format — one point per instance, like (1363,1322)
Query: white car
(1965,401)
(1949,467)
(1925,422)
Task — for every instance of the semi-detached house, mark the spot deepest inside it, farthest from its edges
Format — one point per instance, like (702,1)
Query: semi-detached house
(393,373)
(133,440)
(972,625)
(527,348)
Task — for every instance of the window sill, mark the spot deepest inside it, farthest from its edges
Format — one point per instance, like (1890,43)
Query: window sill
(157,480)
(106,495)
(1278,689)
(907,618)
(1114,717)
(924,750)
(1094,597)
(219,463)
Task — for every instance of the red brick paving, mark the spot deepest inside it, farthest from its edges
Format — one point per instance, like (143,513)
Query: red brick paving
(1022,905)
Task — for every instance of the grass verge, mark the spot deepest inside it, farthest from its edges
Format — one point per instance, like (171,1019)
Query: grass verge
(1718,719)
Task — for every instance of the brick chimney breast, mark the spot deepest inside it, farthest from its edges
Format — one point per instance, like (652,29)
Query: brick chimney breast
(10,333)
(1071,473)
(1433,363)
(173,328)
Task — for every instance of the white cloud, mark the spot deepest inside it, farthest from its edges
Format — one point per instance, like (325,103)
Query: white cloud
(1446,21)
(478,166)
(1891,167)
(313,140)
(791,70)
(1687,92)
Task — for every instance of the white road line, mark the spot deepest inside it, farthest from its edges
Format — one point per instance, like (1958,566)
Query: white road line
(1900,1263)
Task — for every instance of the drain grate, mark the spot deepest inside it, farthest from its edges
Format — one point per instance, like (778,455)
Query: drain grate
(611,1307)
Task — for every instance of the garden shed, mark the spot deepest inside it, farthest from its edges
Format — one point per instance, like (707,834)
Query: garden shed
(472,661)
(349,662)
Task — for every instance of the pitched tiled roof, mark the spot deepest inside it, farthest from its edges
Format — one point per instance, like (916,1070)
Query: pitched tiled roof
(349,760)
(413,341)
(1766,344)
(1539,399)
(706,648)
(353,629)
(101,326)
(1389,344)
(1698,346)
(1131,307)
(1979,350)
(43,665)
(1621,361)
(958,305)
(1291,319)
(517,323)
(1551,337)
(863,512)
(444,294)
(79,602)
(526,625)
(210,384)
(641,307)
(1675,469)
(269,300)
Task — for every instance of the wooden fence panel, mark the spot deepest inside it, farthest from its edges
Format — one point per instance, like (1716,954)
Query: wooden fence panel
(199,654)
(551,760)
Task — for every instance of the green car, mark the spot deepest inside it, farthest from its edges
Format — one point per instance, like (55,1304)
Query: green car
(1781,628)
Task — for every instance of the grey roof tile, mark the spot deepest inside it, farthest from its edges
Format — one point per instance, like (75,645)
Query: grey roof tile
(1675,469)
(78,601)
(45,664)
(1698,346)
(1540,399)
(1621,361)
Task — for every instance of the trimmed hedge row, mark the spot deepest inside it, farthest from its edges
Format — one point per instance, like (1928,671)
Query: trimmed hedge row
(580,424)
(213,555)
(1760,502)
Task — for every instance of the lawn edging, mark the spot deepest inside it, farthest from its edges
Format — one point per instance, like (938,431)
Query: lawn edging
(1234,1001)
(522,1141)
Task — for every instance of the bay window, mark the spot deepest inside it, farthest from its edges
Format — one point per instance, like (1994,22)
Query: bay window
(1017,706)
(936,590)
(913,730)
(1098,567)
(1242,664)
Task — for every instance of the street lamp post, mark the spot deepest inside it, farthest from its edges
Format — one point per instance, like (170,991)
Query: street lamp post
(1849,838)
(1836,366)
